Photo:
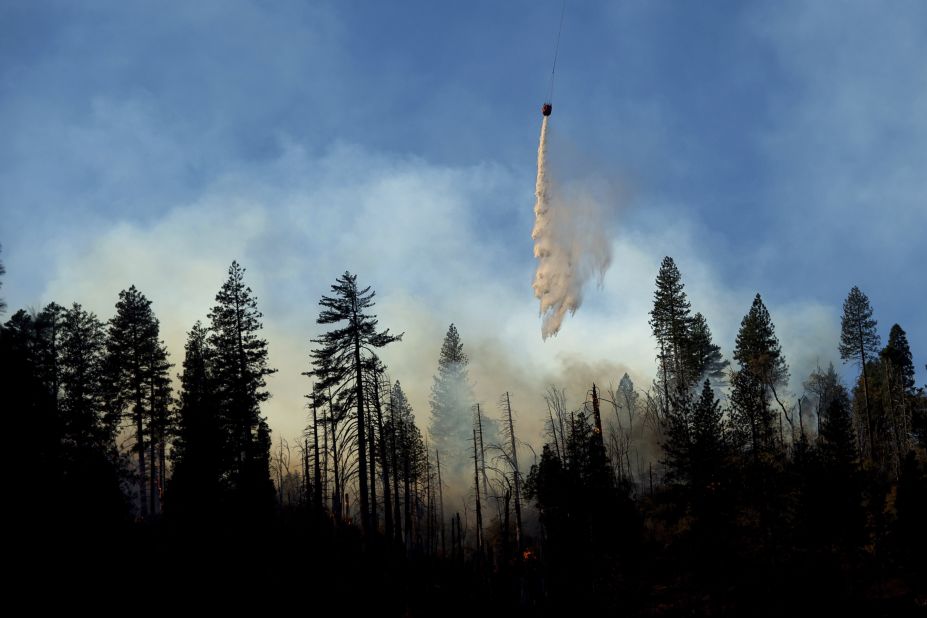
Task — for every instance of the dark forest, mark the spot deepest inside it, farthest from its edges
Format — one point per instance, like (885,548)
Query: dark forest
(151,476)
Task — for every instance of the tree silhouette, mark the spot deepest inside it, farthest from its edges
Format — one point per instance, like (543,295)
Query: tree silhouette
(198,478)
(451,403)
(859,342)
(338,362)
(762,369)
(136,369)
(239,366)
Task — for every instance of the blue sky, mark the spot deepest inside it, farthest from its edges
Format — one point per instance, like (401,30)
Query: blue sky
(772,147)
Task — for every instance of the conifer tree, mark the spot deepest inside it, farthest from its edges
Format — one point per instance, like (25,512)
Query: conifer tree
(136,361)
(451,403)
(339,361)
(859,342)
(709,443)
(90,463)
(705,357)
(670,320)
(239,368)
(762,369)
(197,453)
(83,348)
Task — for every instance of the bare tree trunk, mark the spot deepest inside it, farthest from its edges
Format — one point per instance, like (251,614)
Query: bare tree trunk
(407,486)
(308,492)
(476,490)
(597,415)
(396,517)
(479,424)
(384,462)
(515,473)
(336,495)
(440,502)
(325,426)
(361,432)
(152,444)
(862,358)
(317,470)
(428,501)
(372,439)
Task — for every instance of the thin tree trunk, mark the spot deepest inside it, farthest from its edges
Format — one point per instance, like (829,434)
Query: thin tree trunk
(862,356)
(515,474)
(372,440)
(336,495)
(384,462)
(407,485)
(361,435)
(440,502)
(476,489)
(479,420)
(396,516)
(317,471)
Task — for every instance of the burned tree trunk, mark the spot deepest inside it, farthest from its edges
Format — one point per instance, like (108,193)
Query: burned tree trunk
(384,462)
(515,473)
(440,502)
(476,491)
(317,470)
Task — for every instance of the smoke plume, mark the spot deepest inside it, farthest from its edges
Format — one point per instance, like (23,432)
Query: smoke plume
(571,243)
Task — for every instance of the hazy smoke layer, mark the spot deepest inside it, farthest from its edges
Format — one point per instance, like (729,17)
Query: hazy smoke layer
(571,244)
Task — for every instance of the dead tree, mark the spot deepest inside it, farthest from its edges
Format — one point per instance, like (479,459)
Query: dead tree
(476,490)
(515,473)
(440,502)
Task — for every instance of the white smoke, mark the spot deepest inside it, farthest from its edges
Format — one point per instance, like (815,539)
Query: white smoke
(571,243)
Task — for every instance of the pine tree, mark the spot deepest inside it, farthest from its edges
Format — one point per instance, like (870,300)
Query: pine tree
(762,369)
(898,393)
(239,365)
(671,322)
(898,353)
(410,453)
(451,403)
(338,364)
(705,357)
(136,362)
(91,466)
(32,410)
(709,443)
(839,491)
(197,454)
(82,358)
(859,342)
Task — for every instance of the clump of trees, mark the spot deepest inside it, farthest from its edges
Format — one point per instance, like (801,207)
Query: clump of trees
(716,489)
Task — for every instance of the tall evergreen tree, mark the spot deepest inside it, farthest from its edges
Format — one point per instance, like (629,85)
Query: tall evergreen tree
(197,481)
(136,364)
(410,455)
(339,361)
(32,410)
(762,368)
(451,404)
(239,366)
(82,362)
(91,466)
(859,342)
(705,357)
(709,442)
(671,321)
(897,397)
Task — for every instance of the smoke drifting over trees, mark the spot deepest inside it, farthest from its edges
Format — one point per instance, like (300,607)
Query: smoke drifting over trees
(676,495)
